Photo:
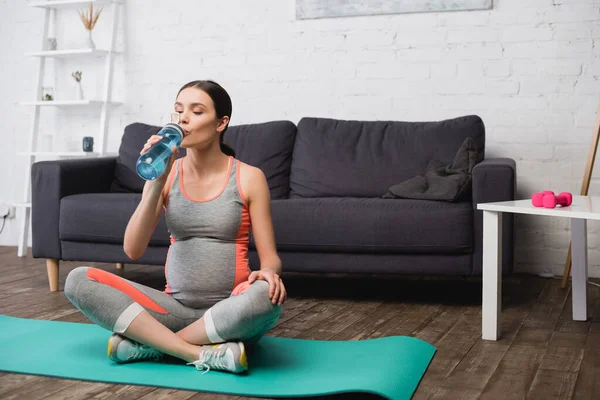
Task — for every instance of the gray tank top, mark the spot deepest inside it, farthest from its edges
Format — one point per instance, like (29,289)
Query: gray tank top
(208,256)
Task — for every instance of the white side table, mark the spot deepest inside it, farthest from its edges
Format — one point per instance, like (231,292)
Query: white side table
(582,209)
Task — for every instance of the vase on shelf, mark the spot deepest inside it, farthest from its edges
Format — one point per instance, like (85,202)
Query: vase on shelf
(78,91)
(51,44)
(90,42)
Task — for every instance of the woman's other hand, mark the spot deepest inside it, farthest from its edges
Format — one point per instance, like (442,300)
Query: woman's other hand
(277,292)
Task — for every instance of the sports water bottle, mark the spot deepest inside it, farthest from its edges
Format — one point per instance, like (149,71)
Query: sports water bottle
(152,163)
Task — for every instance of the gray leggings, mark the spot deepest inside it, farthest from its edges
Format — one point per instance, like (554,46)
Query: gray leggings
(113,303)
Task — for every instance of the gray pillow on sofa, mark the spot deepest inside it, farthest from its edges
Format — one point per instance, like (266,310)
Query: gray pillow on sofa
(441,181)
(267,146)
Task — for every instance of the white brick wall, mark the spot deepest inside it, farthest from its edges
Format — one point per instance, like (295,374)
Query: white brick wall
(529,68)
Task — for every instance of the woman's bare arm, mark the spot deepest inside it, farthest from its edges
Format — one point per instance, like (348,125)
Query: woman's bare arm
(147,214)
(143,221)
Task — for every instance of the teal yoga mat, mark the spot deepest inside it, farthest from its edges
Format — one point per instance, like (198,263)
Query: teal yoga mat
(278,367)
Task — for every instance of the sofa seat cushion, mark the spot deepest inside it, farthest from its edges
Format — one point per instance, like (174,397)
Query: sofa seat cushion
(102,218)
(372,225)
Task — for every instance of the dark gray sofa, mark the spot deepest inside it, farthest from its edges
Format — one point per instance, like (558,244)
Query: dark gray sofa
(326,177)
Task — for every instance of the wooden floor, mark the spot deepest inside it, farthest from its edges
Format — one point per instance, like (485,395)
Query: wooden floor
(543,353)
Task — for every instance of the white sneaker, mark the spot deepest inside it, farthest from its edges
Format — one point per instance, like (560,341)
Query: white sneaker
(230,356)
(123,350)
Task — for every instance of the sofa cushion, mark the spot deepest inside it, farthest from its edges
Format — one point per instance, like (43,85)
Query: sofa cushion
(374,225)
(336,158)
(102,218)
(267,146)
(135,136)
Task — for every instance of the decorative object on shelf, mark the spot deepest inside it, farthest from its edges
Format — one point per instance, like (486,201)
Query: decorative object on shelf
(47,93)
(88,144)
(51,45)
(89,19)
(79,91)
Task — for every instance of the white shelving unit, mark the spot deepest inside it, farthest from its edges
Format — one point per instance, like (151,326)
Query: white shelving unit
(68,53)
(63,4)
(104,103)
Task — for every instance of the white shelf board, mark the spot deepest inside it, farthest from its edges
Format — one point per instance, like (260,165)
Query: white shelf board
(68,53)
(58,153)
(66,103)
(66,4)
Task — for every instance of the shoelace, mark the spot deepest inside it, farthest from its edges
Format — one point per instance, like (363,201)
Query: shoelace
(208,357)
(143,351)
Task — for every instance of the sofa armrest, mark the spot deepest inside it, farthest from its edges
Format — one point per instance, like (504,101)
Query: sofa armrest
(53,180)
(494,180)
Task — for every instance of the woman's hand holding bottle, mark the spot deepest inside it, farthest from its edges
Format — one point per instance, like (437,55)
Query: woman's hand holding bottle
(162,179)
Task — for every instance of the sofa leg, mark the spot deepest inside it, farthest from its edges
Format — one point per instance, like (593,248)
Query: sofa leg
(120,265)
(52,267)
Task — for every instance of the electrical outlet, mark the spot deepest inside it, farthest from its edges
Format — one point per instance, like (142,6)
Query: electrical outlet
(7,211)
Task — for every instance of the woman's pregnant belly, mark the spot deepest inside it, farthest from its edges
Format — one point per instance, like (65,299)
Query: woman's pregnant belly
(200,271)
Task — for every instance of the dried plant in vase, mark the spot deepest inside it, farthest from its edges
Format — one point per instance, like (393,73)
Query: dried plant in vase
(79,93)
(89,19)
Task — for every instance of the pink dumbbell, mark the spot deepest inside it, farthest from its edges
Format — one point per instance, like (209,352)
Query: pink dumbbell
(538,198)
(564,199)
